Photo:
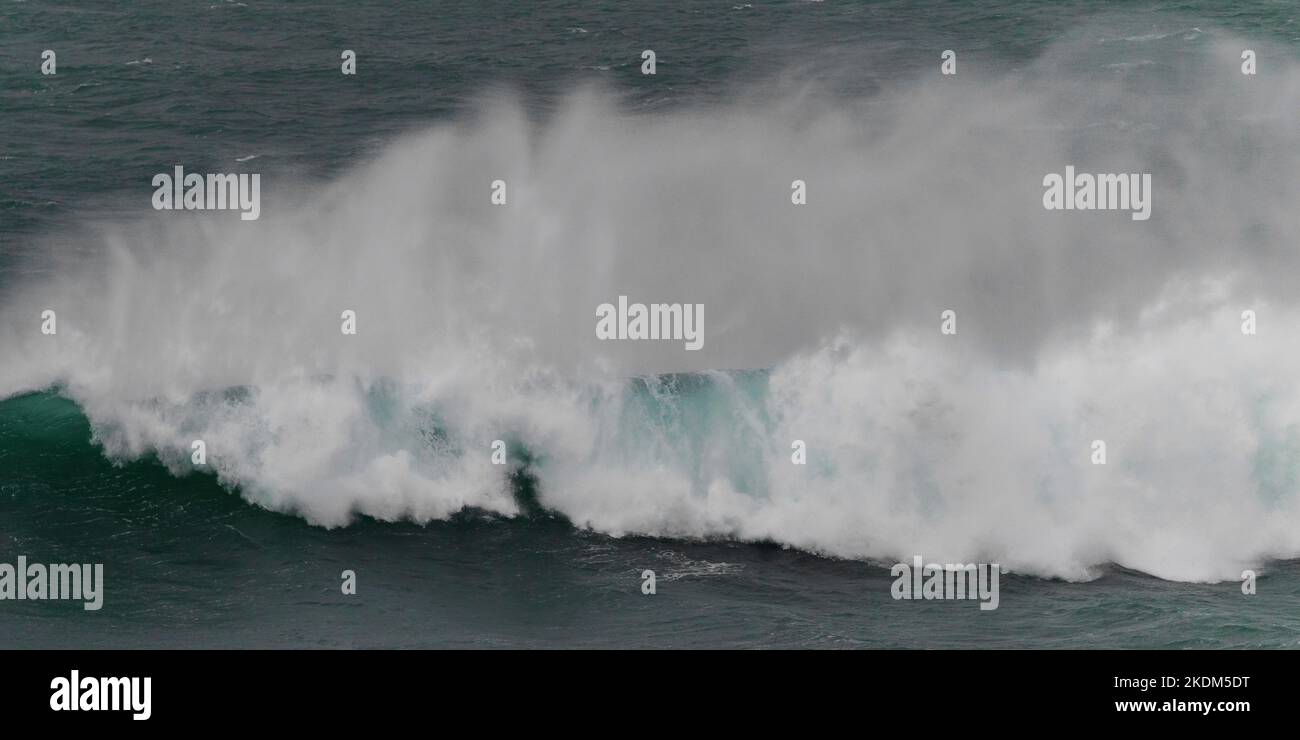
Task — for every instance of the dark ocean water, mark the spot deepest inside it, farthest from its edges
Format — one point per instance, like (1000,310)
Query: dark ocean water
(188,564)
(191,562)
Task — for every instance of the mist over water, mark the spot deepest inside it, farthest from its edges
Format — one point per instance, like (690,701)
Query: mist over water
(476,322)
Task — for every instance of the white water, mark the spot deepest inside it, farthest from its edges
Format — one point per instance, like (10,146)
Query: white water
(480,321)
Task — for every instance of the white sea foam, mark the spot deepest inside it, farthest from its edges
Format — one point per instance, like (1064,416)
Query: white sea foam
(475,325)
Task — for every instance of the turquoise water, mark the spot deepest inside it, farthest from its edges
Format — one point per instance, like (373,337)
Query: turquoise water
(188,564)
(241,557)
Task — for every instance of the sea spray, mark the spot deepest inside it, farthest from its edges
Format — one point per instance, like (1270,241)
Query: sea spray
(474,324)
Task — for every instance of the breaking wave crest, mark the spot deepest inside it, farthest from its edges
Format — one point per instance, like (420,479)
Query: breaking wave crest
(475,324)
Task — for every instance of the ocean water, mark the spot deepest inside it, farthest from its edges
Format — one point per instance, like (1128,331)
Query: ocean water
(372,453)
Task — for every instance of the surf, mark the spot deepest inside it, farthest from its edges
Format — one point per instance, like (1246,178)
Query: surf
(475,325)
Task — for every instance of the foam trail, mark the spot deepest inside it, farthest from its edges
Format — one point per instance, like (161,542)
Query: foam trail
(476,323)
